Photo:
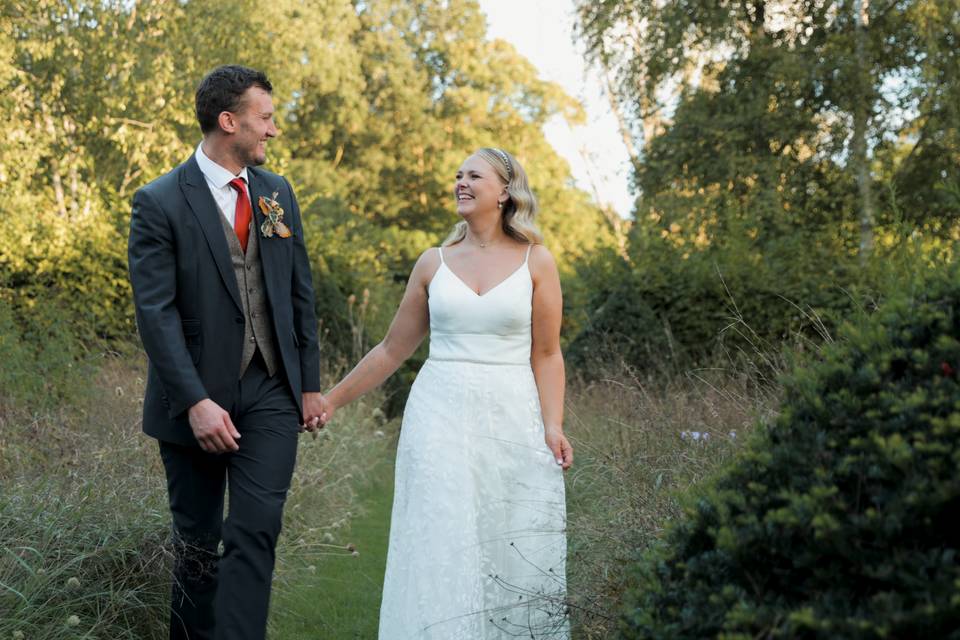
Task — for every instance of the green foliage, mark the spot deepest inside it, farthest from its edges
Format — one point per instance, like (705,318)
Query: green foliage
(82,560)
(835,522)
(636,457)
(376,156)
(749,117)
(673,304)
(378,103)
(745,111)
(84,519)
(76,264)
(43,364)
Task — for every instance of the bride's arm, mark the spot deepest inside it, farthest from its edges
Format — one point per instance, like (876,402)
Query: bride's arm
(407,330)
(545,355)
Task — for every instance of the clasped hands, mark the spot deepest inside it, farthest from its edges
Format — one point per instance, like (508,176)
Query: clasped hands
(317,411)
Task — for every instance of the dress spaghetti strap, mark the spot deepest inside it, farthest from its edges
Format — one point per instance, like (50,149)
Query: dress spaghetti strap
(527,258)
(440,251)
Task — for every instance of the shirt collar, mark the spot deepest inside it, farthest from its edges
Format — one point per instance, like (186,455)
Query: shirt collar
(216,174)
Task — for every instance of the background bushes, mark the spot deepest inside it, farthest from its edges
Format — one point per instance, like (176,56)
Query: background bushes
(835,522)
(44,364)
(667,304)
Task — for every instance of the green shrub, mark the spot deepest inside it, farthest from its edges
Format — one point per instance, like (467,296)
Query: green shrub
(835,522)
(77,264)
(43,362)
(682,305)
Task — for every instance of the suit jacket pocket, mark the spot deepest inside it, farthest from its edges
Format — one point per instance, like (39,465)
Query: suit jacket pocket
(193,337)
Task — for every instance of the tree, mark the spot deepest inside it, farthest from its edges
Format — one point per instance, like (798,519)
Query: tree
(377,102)
(771,102)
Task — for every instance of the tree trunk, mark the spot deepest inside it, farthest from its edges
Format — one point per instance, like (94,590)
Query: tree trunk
(618,113)
(618,226)
(861,115)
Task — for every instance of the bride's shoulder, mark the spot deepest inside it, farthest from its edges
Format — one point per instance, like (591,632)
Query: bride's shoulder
(542,264)
(540,257)
(430,256)
(426,266)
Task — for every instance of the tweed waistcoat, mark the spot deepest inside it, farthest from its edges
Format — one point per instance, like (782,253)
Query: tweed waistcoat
(258,326)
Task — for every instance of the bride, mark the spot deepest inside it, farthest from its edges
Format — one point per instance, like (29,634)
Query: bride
(477,543)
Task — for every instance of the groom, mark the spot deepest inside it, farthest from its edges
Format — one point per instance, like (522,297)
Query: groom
(224,305)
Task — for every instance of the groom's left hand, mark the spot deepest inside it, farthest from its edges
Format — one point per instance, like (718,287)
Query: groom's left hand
(313,405)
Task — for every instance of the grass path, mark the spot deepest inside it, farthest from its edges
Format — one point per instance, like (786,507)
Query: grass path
(340,599)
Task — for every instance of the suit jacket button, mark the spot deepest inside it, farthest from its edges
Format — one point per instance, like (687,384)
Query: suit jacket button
(253,339)
(238,319)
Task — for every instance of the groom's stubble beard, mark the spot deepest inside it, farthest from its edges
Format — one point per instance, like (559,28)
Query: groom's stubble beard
(250,158)
(247,154)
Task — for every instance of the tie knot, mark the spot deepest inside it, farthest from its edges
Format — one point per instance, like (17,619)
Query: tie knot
(238,184)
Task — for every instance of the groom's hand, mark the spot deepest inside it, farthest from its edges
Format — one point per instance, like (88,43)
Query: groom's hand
(213,428)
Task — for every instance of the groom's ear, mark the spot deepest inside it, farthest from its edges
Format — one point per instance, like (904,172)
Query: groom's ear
(227,121)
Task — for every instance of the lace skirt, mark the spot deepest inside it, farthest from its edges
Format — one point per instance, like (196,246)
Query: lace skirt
(477,542)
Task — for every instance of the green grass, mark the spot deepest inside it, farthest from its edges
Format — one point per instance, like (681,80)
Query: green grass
(84,519)
(633,466)
(83,516)
(325,591)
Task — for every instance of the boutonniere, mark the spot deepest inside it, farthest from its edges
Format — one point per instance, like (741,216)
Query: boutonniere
(274,213)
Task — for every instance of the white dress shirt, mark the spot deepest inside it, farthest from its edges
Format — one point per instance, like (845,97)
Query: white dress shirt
(218,179)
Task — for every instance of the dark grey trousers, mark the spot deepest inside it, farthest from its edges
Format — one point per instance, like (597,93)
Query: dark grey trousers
(227,597)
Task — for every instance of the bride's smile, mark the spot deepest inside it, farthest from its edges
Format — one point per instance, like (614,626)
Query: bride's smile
(477,188)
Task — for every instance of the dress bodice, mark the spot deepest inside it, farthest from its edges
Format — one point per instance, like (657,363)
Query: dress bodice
(493,328)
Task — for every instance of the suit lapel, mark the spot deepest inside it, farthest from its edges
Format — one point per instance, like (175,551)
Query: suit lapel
(204,207)
(268,255)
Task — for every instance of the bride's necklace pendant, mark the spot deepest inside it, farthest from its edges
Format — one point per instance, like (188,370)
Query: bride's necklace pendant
(482,245)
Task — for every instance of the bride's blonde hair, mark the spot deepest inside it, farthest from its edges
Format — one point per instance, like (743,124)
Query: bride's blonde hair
(520,209)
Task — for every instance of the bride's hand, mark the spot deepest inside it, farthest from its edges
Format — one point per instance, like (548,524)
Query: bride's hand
(327,411)
(316,411)
(560,446)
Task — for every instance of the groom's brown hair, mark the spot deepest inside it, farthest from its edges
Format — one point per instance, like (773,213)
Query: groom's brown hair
(222,90)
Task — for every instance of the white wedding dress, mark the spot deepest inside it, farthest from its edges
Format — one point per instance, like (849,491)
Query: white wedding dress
(477,542)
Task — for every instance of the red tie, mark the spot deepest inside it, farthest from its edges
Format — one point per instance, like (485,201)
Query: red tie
(243,212)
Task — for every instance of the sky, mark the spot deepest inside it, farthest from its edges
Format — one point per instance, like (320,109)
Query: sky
(542,32)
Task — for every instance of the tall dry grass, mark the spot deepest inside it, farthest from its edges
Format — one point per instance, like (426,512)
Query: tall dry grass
(84,523)
(82,515)
(641,444)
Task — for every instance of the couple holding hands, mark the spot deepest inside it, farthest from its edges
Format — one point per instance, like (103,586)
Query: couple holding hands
(225,309)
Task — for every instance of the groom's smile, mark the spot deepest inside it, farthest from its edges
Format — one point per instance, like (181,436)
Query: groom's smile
(255,127)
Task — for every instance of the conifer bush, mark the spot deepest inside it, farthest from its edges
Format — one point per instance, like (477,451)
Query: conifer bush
(837,520)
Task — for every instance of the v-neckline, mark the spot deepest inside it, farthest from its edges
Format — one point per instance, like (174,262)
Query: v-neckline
(487,292)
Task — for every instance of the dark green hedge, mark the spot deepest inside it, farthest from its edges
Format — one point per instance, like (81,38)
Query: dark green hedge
(837,521)
(686,305)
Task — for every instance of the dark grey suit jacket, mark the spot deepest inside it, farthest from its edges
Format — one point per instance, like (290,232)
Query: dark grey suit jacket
(188,304)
